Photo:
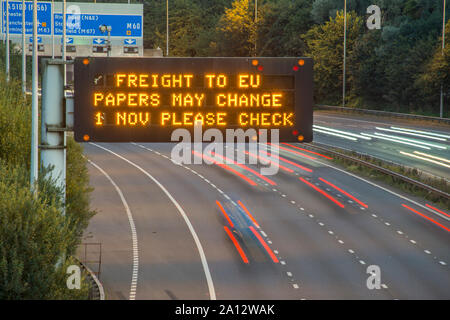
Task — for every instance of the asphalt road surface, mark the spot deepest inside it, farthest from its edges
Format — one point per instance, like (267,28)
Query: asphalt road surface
(201,231)
(422,146)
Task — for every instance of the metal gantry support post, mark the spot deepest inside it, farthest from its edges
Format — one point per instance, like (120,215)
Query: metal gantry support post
(63,49)
(345,54)
(34,105)
(167,27)
(53,28)
(24,51)
(256,21)
(7,41)
(53,125)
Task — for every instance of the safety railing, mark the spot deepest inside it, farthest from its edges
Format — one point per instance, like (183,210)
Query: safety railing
(378,168)
(384,113)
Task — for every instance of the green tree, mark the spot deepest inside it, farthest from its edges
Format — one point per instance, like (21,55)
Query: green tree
(325,45)
(437,73)
(237,30)
(280,26)
(33,234)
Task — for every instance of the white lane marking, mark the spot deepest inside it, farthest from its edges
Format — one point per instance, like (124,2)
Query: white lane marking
(289,274)
(341,242)
(295,286)
(412,241)
(427,251)
(443,263)
(212,293)
(134,276)
(384,286)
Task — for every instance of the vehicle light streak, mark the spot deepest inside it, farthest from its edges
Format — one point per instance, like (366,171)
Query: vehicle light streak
(317,154)
(287,161)
(411,140)
(236,244)
(264,244)
(426,217)
(225,214)
(270,161)
(433,157)
(398,141)
(269,181)
(425,159)
(296,152)
(322,192)
(248,213)
(437,210)
(355,135)
(224,166)
(423,132)
(411,134)
(335,134)
(344,192)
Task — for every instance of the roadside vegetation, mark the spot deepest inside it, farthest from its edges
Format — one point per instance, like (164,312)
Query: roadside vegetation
(37,239)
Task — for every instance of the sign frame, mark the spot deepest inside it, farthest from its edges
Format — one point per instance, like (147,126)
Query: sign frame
(87,68)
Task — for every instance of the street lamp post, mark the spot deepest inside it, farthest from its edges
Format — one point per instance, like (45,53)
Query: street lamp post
(256,19)
(24,51)
(345,53)
(441,108)
(7,41)
(167,27)
(34,105)
(104,28)
(63,51)
(53,29)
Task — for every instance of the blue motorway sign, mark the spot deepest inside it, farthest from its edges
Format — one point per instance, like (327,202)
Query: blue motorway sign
(98,41)
(44,11)
(39,39)
(129,41)
(69,40)
(77,24)
(88,25)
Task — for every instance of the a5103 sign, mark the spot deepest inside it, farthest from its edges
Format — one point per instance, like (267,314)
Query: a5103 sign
(146,99)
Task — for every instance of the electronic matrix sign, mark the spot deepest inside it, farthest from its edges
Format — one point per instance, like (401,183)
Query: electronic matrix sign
(146,99)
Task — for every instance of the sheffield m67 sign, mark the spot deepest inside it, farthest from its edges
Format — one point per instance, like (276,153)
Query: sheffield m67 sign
(146,99)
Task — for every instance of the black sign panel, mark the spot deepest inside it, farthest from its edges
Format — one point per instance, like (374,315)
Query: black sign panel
(146,99)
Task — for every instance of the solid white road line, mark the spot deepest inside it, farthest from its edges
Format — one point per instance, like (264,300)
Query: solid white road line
(212,293)
(134,239)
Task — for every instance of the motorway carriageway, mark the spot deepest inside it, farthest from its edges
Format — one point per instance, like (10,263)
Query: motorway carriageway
(219,231)
(425,147)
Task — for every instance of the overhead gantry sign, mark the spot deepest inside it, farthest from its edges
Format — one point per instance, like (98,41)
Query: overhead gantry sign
(146,99)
